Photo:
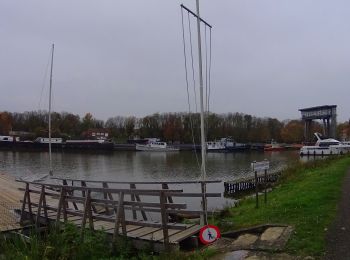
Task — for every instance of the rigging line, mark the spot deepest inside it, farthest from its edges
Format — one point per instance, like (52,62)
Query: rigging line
(43,83)
(206,82)
(206,130)
(209,71)
(187,87)
(206,67)
(194,79)
(186,74)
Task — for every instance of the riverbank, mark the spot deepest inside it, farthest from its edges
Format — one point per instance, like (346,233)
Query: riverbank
(306,198)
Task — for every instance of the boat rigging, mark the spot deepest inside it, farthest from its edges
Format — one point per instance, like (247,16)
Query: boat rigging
(50,99)
(204,219)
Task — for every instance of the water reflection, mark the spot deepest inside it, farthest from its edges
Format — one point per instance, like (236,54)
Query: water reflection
(121,166)
(143,166)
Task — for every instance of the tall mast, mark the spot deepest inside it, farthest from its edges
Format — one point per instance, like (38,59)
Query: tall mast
(203,168)
(50,157)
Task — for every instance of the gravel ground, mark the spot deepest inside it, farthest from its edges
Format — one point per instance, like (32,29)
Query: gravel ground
(338,235)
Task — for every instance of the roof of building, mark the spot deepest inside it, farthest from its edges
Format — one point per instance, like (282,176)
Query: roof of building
(318,108)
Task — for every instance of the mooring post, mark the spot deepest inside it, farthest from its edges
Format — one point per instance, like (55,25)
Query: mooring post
(256,189)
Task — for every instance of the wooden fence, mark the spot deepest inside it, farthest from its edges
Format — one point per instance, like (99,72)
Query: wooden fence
(250,183)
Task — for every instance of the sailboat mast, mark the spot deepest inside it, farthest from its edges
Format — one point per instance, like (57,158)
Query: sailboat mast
(50,157)
(203,166)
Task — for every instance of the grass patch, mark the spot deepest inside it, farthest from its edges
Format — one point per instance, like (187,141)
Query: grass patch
(66,243)
(306,197)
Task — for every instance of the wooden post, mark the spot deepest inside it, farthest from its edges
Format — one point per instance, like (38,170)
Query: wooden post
(65,183)
(87,213)
(164,216)
(166,187)
(83,184)
(60,204)
(132,196)
(265,175)
(143,213)
(83,192)
(118,216)
(41,199)
(26,199)
(105,196)
(256,190)
(64,206)
(203,219)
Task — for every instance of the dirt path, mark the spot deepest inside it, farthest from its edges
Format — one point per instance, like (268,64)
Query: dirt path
(338,236)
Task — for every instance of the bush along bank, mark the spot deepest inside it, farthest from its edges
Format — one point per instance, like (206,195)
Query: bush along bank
(305,197)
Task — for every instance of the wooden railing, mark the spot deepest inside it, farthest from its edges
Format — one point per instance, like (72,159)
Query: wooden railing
(250,183)
(106,204)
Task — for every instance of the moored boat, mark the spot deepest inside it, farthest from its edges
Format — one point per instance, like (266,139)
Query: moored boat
(156,146)
(226,145)
(327,146)
(274,147)
(89,145)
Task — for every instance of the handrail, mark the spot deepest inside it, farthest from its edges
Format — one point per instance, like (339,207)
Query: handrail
(109,190)
(139,182)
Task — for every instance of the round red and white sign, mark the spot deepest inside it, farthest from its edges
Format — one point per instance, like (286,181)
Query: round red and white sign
(209,234)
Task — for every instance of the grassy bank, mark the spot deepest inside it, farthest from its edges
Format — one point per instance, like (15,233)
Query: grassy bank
(306,198)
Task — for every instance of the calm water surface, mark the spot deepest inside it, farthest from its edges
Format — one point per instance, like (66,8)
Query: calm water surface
(145,166)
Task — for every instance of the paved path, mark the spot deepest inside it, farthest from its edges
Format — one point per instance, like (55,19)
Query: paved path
(338,236)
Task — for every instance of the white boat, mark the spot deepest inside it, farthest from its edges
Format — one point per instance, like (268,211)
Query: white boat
(7,138)
(327,146)
(225,145)
(156,147)
(216,146)
(44,140)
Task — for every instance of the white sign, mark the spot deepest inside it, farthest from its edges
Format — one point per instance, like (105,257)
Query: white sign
(209,234)
(260,166)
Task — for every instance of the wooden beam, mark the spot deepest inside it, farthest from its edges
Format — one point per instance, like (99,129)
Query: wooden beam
(166,187)
(87,208)
(40,205)
(133,187)
(118,217)
(132,197)
(164,217)
(60,202)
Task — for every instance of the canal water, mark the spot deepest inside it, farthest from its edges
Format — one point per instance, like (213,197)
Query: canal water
(146,166)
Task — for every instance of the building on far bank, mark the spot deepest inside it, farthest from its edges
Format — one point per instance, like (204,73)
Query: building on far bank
(96,133)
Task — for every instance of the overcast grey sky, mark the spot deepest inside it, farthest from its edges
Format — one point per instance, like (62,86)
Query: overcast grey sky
(115,57)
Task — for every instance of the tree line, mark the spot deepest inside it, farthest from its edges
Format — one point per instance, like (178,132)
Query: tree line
(170,127)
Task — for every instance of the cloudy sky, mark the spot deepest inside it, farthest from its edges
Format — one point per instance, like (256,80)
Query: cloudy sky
(114,57)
